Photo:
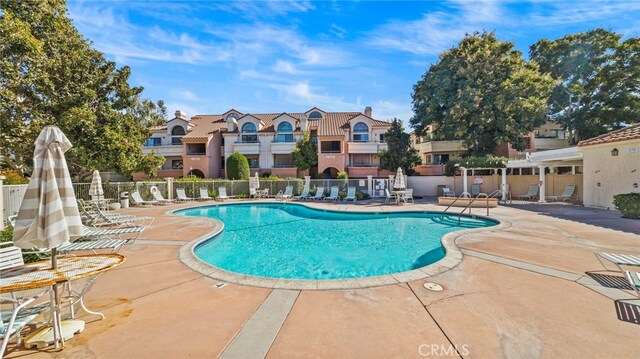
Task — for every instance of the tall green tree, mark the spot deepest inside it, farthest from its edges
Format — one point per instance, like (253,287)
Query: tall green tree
(50,75)
(237,167)
(481,91)
(305,154)
(399,152)
(598,76)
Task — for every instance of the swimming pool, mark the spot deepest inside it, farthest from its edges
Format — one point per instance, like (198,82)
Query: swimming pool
(291,241)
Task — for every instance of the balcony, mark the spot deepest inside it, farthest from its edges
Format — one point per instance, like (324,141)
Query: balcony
(282,147)
(163,150)
(247,148)
(550,143)
(441,146)
(366,147)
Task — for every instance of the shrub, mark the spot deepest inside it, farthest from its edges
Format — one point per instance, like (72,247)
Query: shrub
(237,167)
(362,195)
(342,175)
(242,195)
(628,204)
(13,177)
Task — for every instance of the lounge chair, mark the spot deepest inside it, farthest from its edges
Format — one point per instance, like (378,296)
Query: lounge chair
(160,199)
(390,196)
(408,195)
(567,195)
(531,194)
(634,281)
(319,194)
(287,194)
(619,259)
(137,198)
(448,192)
(98,218)
(333,194)
(351,194)
(222,194)
(204,194)
(304,195)
(182,195)
(475,190)
(21,313)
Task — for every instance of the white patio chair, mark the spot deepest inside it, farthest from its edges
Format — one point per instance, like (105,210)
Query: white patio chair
(181,195)
(351,194)
(408,195)
(319,194)
(567,195)
(137,198)
(222,193)
(160,199)
(531,194)
(304,195)
(448,192)
(390,196)
(333,194)
(204,194)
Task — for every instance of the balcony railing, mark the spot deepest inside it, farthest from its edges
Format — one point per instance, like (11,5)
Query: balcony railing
(284,166)
(363,165)
(161,144)
(196,153)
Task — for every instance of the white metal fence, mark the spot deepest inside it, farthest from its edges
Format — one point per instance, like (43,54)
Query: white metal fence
(11,198)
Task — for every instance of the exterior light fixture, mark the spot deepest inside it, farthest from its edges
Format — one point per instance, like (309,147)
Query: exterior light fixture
(614,152)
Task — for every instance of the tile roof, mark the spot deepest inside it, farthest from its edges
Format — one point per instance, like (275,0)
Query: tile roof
(333,124)
(624,134)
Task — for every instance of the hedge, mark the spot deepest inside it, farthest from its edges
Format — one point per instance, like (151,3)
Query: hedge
(628,204)
(237,167)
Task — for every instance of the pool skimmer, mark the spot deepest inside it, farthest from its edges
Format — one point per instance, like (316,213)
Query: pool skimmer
(434,287)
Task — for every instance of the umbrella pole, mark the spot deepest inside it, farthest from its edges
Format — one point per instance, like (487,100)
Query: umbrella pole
(57,335)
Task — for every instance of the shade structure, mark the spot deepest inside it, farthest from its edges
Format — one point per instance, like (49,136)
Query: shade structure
(399,181)
(48,214)
(96,186)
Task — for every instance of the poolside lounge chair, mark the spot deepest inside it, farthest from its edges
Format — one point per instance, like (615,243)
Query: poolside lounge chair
(408,195)
(158,197)
(390,196)
(475,190)
(304,195)
(319,194)
(333,194)
(13,320)
(619,259)
(447,192)
(634,281)
(567,195)
(531,194)
(287,194)
(204,194)
(222,193)
(98,218)
(182,195)
(351,194)
(137,198)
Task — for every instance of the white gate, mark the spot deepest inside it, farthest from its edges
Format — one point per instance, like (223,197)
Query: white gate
(12,198)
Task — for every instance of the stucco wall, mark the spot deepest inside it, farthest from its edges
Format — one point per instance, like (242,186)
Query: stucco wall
(606,175)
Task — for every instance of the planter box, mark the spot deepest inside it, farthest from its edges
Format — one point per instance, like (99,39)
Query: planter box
(463,202)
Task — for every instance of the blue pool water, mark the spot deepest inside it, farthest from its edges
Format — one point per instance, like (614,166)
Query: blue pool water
(296,242)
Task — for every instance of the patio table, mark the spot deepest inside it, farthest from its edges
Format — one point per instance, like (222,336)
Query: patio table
(399,195)
(40,275)
(262,193)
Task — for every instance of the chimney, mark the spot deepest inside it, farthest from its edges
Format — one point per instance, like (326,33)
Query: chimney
(181,115)
(367,111)
(303,123)
(231,123)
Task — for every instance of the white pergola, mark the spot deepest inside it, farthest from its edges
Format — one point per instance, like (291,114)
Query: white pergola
(564,157)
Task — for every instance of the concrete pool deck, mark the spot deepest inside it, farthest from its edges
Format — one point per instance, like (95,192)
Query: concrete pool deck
(532,289)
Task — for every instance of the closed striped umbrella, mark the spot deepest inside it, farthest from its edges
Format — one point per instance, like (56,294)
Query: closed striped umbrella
(48,214)
(399,180)
(96,186)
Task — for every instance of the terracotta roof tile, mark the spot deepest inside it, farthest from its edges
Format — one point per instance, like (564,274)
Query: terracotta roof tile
(624,134)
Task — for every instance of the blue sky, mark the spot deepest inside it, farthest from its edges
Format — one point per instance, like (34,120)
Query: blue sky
(205,57)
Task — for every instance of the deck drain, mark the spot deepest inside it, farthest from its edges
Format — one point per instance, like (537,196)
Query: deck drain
(434,287)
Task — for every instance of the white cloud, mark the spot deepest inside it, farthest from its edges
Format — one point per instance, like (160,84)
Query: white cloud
(286,67)
(260,9)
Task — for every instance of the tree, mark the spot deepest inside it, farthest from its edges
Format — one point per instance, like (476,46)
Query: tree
(483,92)
(150,113)
(237,167)
(50,75)
(305,154)
(598,86)
(399,152)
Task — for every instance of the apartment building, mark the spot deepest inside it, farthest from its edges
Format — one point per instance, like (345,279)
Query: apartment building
(347,142)
(435,151)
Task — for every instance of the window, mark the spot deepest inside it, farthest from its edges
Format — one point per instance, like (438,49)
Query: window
(249,133)
(285,160)
(315,115)
(382,138)
(441,159)
(232,116)
(254,161)
(153,141)
(196,149)
(360,132)
(330,147)
(176,134)
(176,164)
(285,132)
(361,160)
